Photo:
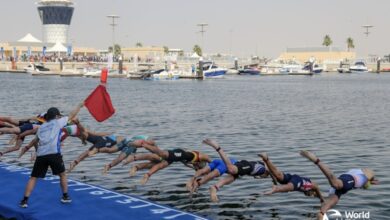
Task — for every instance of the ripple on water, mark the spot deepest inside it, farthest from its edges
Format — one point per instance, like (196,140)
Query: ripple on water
(344,119)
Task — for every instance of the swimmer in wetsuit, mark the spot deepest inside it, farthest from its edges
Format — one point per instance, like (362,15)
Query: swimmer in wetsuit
(353,179)
(290,182)
(127,146)
(213,170)
(21,128)
(256,169)
(160,159)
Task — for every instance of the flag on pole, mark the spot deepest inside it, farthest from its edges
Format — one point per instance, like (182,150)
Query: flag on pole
(44,51)
(69,50)
(99,102)
(14,53)
(29,51)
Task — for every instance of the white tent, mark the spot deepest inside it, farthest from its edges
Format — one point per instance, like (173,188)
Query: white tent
(29,39)
(58,47)
(195,55)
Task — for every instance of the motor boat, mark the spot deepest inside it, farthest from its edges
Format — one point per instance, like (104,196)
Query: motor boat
(72,72)
(344,68)
(166,75)
(39,70)
(210,70)
(144,74)
(249,70)
(359,67)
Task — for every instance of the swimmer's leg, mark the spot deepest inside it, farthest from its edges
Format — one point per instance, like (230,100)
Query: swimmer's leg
(140,166)
(214,189)
(328,204)
(159,166)
(74,163)
(113,163)
(156,150)
(275,172)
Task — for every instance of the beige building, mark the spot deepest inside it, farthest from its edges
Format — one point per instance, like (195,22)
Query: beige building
(143,52)
(321,54)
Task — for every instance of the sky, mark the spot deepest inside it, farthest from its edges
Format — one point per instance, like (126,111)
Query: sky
(241,27)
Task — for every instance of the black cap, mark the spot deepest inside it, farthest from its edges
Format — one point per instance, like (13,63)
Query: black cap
(52,113)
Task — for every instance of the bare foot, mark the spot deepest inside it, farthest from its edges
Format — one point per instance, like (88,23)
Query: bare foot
(263,156)
(93,151)
(309,155)
(106,168)
(213,194)
(145,179)
(133,171)
(211,143)
(72,165)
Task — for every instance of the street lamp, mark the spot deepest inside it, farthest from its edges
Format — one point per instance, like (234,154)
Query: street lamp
(367,27)
(113,24)
(202,31)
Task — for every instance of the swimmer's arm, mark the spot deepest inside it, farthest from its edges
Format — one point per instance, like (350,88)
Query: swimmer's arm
(76,111)
(318,192)
(281,188)
(201,172)
(329,203)
(28,132)
(232,169)
(189,165)
(32,143)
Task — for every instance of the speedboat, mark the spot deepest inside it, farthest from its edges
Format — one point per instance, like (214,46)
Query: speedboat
(316,69)
(145,74)
(72,72)
(166,75)
(249,70)
(359,67)
(39,70)
(344,68)
(210,70)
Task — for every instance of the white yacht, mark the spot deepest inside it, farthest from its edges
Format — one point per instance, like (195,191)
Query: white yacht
(358,67)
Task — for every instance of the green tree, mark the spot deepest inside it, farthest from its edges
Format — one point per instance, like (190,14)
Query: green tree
(138,44)
(117,50)
(166,49)
(197,50)
(350,44)
(327,41)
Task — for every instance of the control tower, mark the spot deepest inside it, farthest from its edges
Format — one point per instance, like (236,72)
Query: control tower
(56,16)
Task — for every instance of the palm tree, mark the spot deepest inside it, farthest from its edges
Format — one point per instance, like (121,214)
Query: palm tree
(197,50)
(138,44)
(117,49)
(327,41)
(350,44)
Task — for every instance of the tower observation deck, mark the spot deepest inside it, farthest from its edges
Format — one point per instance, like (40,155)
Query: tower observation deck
(56,16)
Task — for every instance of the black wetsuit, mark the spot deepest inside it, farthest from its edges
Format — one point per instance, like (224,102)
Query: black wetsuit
(99,141)
(180,155)
(250,168)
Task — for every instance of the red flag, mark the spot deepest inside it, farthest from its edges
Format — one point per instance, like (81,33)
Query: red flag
(99,104)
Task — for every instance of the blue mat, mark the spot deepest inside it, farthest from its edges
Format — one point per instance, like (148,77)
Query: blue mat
(89,202)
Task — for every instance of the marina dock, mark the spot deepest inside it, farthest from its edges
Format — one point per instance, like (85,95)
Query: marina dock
(89,201)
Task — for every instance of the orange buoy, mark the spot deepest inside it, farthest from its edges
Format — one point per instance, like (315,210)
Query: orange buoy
(103,75)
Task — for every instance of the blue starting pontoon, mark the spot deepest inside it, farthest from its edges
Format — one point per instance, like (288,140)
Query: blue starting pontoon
(89,202)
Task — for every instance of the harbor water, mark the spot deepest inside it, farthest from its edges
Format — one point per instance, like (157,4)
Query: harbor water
(344,119)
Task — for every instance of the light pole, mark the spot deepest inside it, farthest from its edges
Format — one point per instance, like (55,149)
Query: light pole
(367,27)
(367,32)
(113,24)
(202,31)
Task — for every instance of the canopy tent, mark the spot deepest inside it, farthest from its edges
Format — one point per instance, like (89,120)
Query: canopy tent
(195,55)
(29,38)
(58,47)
